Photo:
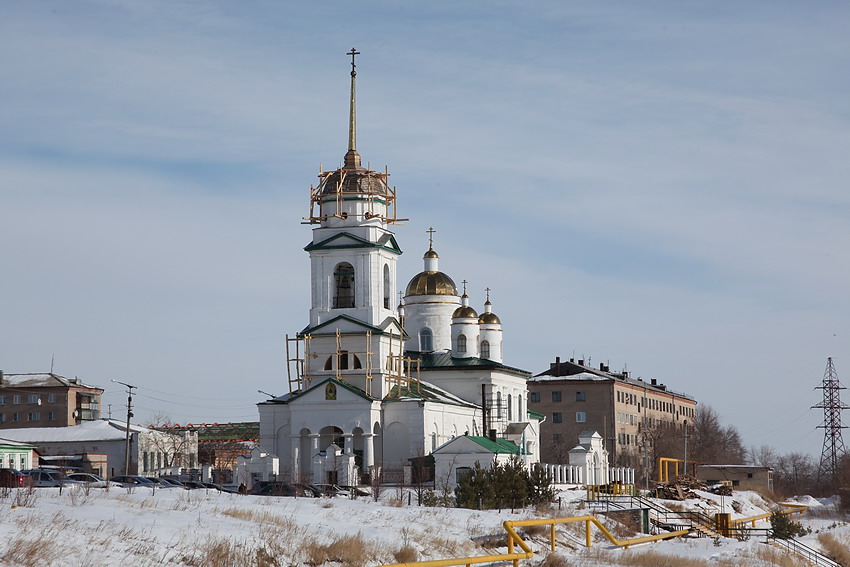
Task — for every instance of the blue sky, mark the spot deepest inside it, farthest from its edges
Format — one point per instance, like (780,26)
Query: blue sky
(661,186)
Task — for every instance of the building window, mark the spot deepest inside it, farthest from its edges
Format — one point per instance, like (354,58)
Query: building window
(510,408)
(387,289)
(16,399)
(426,340)
(534,397)
(581,417)
(16,417)
(51,398)
(557,438)
(461,472)
(344,292)
(2,420)
(556,396)
(579,396)
(51,416)
(33,416)
(4,400)
(557,417)
(461,344)
(485,349)
(33,399)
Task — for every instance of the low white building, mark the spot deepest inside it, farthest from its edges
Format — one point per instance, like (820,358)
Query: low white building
(150,450)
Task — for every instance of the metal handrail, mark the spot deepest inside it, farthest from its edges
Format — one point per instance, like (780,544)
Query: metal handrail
(804,551)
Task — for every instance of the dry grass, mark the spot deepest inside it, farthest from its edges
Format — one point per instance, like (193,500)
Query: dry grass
(834,549)
(537,530)
(351,551)
(554,560)
(26,497)
(406,554)
(778,558)
(30,552)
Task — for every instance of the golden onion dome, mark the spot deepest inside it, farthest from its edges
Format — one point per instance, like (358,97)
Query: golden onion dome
(489,319)
(465,312)
(431,283)
(430,254)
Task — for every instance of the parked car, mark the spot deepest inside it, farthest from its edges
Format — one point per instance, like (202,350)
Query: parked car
(308,490)
(161,482)
(130,481)
(41,478)
(356,490)
(173,482)
(273,489)
(12,478)
(332,490)
(89,480)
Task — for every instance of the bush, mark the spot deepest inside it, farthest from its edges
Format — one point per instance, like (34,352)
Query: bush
(784,527)
(504,485)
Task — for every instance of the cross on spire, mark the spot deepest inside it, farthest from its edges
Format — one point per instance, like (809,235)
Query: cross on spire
(464,282)
(430,232)
(488,290)
(353,52)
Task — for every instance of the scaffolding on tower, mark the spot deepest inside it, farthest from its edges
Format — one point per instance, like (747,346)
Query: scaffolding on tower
(402,372)
(331,188)
(833,444)
(297,364)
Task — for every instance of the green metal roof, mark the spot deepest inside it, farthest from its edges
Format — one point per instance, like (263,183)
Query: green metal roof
(502,446)
(444,361)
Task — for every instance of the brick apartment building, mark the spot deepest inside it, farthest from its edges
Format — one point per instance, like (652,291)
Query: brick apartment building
(631,415)
(46,400)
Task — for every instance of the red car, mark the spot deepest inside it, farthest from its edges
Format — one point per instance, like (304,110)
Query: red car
(12,478)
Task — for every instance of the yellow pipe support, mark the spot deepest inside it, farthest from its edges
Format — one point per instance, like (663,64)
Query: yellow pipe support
(527,553)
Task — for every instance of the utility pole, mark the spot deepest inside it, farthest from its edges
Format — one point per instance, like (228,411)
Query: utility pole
(129,415)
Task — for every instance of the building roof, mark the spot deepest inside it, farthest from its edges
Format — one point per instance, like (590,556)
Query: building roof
(99,430)
(428,392)
(14,444)
(443,360)
(41,380)
(568,371)
(502,446)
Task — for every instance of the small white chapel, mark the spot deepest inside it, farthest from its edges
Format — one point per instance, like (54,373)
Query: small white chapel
(377,388)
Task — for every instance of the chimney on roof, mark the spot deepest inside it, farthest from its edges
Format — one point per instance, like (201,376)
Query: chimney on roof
(581,362)
(654,382)
(557,366)
(1,377)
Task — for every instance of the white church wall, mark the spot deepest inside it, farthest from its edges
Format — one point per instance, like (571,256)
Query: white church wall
(431,312)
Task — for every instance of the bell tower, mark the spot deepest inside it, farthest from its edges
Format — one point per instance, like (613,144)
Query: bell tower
(354,324)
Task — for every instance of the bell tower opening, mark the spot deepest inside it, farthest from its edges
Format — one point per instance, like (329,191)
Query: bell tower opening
(344,289)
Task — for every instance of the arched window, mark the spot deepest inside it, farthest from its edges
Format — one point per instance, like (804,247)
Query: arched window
(498,405)
(426,340)
(520,415)
(386,286)
(510,408)
(485,349)
(461,344)
(344,291)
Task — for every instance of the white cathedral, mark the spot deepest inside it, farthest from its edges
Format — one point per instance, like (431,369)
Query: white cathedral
(374,386)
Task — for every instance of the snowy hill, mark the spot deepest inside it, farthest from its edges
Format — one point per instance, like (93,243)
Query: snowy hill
(207,528)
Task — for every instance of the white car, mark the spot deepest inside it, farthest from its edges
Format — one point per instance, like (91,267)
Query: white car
(90,480)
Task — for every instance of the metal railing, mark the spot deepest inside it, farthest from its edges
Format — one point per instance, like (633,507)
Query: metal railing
(799,548)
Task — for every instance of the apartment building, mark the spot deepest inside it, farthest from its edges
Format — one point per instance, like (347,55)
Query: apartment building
(631,415)
(46,400)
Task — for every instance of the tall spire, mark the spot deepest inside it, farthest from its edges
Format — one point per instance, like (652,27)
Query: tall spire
(352,158)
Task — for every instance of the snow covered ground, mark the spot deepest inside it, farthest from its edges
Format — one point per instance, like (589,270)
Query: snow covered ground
(101,528)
